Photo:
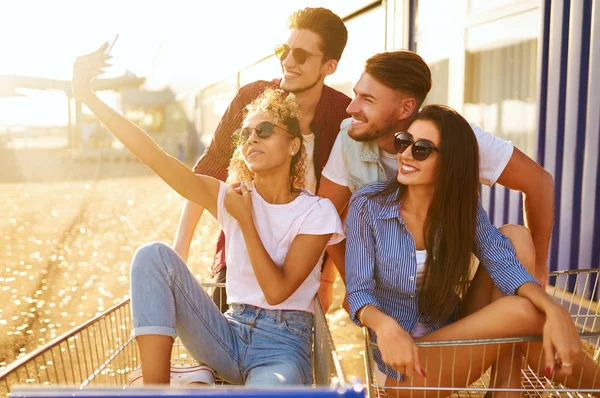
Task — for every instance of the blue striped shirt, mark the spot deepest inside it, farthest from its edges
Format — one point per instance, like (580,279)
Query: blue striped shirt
(381,267)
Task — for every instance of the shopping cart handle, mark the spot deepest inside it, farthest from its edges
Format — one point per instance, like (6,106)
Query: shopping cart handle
(355,391)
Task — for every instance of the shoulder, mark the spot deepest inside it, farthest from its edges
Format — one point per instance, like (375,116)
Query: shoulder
(314,205)
(254,89)
(345,125)
(336,98)
(343,135)
(314,201)
(371,189)
(362,196)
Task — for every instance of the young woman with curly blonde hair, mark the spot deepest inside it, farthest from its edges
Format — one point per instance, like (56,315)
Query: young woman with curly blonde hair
(276,235)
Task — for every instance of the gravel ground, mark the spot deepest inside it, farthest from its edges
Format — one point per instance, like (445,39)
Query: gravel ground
(69,230)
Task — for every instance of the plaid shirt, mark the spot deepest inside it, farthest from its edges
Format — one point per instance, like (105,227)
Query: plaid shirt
(330,112)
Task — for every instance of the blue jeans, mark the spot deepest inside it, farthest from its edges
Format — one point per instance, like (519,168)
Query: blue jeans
(246,345)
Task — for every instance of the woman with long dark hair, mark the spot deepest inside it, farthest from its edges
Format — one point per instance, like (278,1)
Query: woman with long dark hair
(409,260)
(276,236)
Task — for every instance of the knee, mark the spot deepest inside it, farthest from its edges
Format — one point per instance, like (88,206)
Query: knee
(522,242)
(520,309)
(146,257)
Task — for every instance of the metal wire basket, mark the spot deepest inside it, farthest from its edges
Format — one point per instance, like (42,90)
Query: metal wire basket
(101,353)
(575,290)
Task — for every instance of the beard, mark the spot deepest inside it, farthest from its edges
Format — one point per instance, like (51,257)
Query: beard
(304,88)
(369,132)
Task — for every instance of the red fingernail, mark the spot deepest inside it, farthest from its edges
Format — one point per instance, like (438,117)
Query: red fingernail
(548,371)
(423,373)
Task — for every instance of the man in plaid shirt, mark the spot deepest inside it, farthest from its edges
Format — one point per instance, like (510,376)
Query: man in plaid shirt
(314,47)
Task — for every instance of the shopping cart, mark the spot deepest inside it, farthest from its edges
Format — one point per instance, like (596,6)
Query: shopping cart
(575,290)
(101,353)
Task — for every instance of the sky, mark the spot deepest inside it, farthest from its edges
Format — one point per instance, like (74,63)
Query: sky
(184,44)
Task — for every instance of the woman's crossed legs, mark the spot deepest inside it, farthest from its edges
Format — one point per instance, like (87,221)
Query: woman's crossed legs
(167,301)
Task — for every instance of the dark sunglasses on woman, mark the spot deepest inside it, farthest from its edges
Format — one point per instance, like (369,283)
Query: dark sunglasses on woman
(263,130)
(420,148)
(300,56)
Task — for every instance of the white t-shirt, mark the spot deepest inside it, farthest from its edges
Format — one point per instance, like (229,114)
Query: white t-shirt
(389,161)
(310,177)
(421,256)
(494,154)
(277,226)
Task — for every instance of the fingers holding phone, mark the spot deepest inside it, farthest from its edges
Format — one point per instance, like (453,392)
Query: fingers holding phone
(88,67)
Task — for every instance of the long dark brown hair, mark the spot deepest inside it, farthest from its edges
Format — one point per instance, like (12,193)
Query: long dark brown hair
(449,228)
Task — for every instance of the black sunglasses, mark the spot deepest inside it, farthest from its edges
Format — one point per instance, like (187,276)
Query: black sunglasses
(300,56)
(263,130)
(420,148)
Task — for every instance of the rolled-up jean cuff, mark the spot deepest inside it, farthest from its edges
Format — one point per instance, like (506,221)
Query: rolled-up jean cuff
(159,330)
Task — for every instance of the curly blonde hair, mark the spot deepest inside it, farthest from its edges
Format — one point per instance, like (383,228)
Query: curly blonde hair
(285,110)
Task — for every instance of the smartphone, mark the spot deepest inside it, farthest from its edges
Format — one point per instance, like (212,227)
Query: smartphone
(108,49)
(111,44)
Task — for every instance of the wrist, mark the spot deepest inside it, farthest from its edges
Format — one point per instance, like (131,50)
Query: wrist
(246,223)
(86,96)
(384,324)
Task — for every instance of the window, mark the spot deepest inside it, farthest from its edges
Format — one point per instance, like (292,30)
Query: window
(366,36)
(501,92)
(439,87)
(477,6)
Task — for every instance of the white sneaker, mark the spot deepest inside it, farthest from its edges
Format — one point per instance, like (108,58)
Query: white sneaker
(181,376)
(184,376)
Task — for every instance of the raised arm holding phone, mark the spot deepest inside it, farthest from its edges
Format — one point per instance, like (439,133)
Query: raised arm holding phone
(276,238)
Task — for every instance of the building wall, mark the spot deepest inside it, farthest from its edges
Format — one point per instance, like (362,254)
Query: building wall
(525,70)
(569,128)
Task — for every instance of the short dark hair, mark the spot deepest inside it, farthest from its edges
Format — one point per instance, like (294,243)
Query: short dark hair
(404,71)
(328,26)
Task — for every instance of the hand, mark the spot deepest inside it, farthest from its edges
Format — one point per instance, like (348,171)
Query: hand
(238,203)
(562,344)
(86,68)
(398,348)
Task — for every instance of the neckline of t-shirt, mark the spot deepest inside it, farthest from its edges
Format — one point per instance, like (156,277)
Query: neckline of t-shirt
(387,154)
(308,137)
(421,254)
(291,204)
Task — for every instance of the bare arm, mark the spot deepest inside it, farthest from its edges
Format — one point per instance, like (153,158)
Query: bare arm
(202,190)
(339,196)
(525,175)
(188,221)
(278,284)
(561,340)
(214,162)
(337,254)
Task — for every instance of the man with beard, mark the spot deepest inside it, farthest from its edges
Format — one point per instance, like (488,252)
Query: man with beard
(314,47)
(387,97)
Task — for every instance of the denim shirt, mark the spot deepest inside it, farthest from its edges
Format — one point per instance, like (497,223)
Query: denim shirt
(381,267)
(362,160)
